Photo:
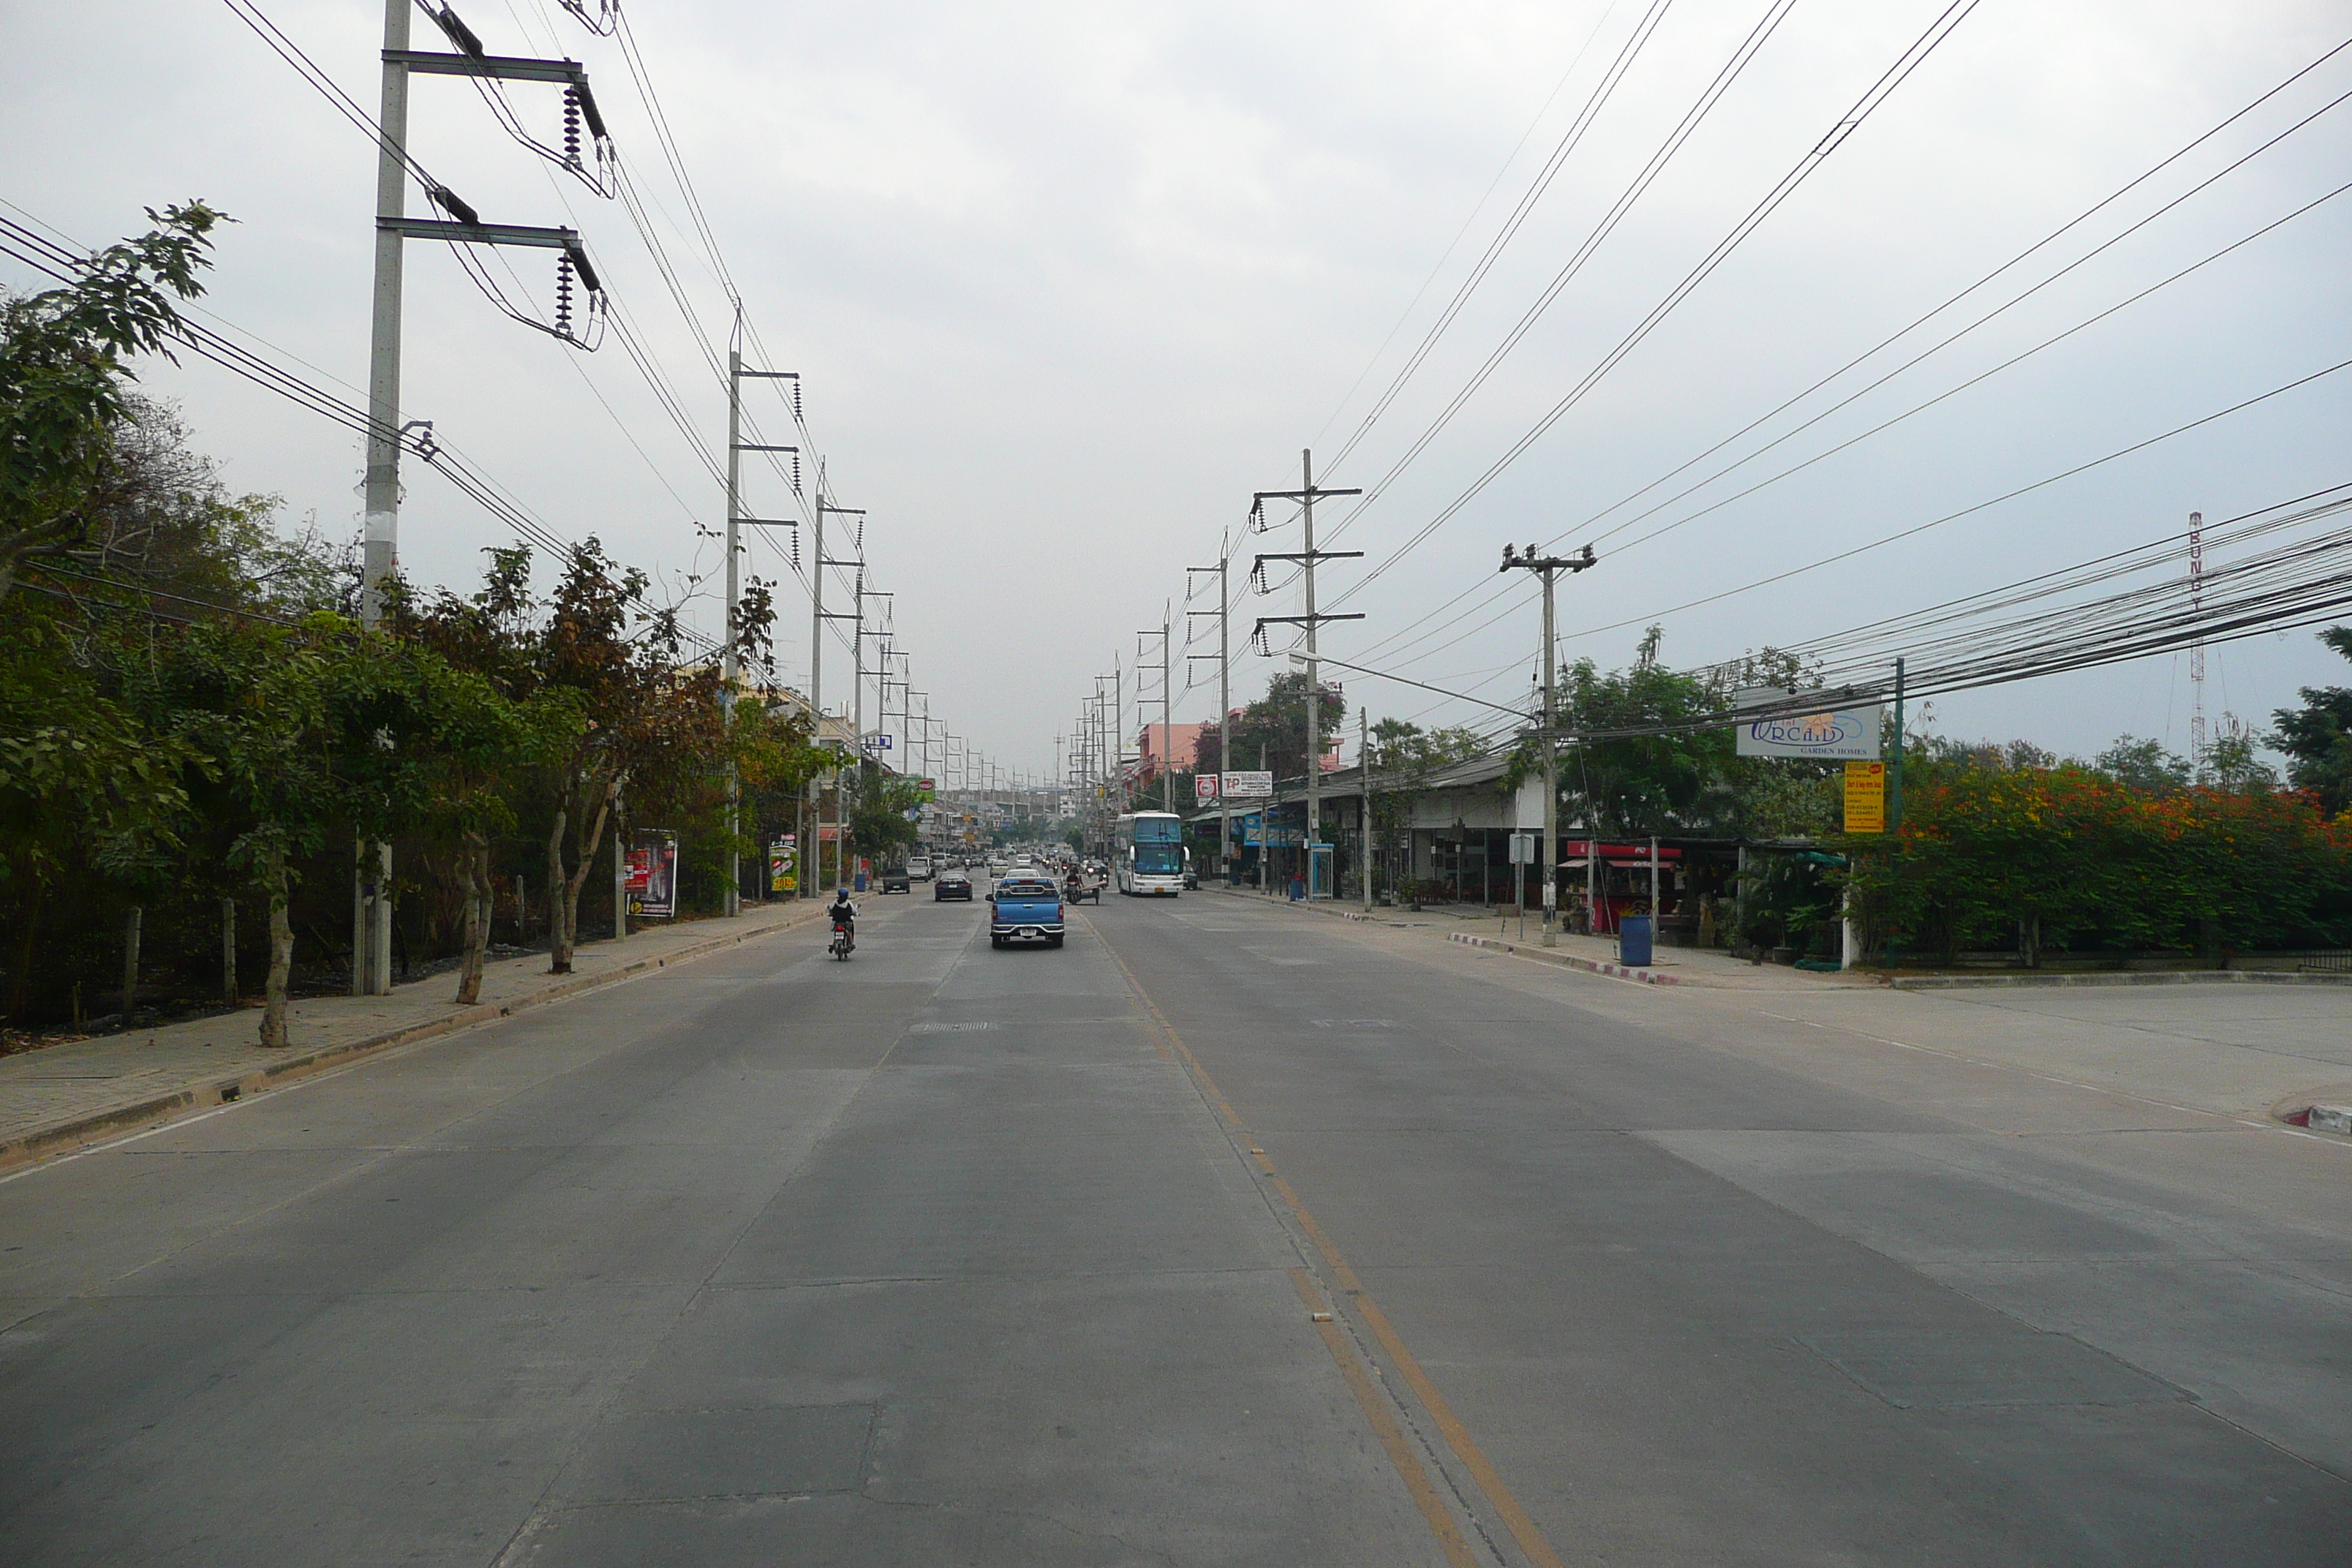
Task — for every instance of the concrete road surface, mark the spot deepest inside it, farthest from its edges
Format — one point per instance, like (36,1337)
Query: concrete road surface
(1225,1235)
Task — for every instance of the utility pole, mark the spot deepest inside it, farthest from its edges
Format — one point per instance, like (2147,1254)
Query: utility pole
(371,899)
(1549,567)
(818,615)
(731,659)
(1224,712)
(1166,762)
(1364,798)
(1305,496)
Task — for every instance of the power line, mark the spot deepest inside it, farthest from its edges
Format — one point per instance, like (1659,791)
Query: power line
(1626,199)
(1491,595)
(1602,92)
(1862,109)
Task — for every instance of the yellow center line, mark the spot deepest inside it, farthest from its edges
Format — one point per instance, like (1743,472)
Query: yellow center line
(1384,1425)
(1456,1437)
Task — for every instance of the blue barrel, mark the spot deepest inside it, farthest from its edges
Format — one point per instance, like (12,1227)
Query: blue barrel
(1298,890)
(1633,940)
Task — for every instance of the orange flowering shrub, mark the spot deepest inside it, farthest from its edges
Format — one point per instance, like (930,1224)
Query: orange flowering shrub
(2102,865)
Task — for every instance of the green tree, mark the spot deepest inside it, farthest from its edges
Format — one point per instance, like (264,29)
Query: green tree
(2144,765)
(1626,785)
(2317,736)
(1275,727)
(1404,757)
(882,821)
(64,384)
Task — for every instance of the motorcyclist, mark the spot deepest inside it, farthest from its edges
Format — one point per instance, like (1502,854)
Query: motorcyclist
(844,914)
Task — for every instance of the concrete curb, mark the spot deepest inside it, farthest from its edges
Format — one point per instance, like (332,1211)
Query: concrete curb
(1567,960)
(83,1131)
(2161,977)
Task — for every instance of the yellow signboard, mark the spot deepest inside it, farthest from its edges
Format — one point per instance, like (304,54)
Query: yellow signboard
(1866,797)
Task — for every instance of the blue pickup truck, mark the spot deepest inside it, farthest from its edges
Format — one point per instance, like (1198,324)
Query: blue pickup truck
(1026,909)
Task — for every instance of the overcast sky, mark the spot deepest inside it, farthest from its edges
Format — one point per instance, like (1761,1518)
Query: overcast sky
(1067,283)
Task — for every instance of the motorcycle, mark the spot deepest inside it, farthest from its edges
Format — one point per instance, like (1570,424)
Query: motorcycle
(843,941)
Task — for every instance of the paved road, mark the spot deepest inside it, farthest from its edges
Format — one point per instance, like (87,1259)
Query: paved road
(1222,1235)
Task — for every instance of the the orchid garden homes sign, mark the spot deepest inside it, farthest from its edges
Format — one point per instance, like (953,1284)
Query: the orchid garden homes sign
(1789,730)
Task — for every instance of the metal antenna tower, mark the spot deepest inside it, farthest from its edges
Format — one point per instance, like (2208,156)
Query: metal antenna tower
(2197,645)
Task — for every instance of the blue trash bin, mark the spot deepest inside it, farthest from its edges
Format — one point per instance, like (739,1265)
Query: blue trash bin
(1298,890)
(1633,940)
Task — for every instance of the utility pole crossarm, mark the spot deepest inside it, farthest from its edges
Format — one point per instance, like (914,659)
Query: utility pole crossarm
(500,68)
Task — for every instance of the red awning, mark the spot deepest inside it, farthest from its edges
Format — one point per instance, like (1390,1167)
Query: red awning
(1617,854)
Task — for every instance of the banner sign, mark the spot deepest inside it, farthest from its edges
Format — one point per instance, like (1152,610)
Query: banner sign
(1866,797)
(1249,786)
(653,874)
(1254,831)
(927,790)
(1838,734)
(1205,788)
(784,864)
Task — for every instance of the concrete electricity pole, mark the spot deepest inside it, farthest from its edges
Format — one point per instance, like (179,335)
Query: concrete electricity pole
(818,615)
(1549,567)
(1364,796)
(1225,711)
(371,899)
(1305,496)
(730,657)
(1166,762)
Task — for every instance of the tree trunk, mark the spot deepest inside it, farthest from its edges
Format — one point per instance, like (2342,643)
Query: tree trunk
(228,951)
(558,935)
(474,864)
(281,953)
(20,983)
(131,924)
(592,834)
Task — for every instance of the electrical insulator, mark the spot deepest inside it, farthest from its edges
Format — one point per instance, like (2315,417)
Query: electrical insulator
(563,296)
(796,482)
(796,408)
(571,126)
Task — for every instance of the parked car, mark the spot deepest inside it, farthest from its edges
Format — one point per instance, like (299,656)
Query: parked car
(895,881)
(951,883)
(1027,908)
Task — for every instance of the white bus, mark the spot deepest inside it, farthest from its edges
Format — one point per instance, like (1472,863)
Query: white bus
(1146,853)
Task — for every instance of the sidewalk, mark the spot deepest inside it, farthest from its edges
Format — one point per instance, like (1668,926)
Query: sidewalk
(1595,954)
(61,1097)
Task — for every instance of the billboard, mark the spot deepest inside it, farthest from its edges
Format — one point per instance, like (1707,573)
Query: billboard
(1866,797)
(1249,786)
(784,864)
(652,883)
(927,790)
(1823,735)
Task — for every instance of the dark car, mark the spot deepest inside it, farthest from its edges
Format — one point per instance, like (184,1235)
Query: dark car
(894,880)
(951,883)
